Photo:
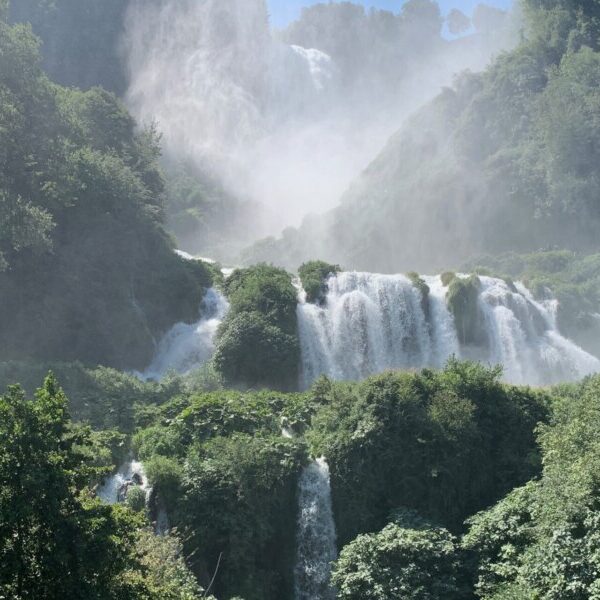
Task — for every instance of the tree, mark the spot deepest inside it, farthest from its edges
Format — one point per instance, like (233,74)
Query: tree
(56,540)
(254,353)
(400,563)
(262,316)
(22,226)
(46,546)
(87,270)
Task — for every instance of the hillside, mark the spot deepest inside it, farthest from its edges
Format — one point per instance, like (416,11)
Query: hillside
(87,270)
(503,160)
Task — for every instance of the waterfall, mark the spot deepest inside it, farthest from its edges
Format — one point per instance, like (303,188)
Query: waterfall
(186,347)
(370,323)
(316,541)
(525,339)
(114,488)
(443,333)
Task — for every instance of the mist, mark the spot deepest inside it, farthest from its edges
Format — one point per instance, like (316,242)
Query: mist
(286,120)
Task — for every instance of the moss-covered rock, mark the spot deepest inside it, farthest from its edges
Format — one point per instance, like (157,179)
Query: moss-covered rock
(462,300)
(423,288)
(447,278)
(314,276)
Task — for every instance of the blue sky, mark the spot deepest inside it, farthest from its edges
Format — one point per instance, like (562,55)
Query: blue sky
(284,11)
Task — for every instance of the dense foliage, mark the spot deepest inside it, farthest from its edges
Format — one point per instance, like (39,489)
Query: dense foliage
(442,445)
(446,485)
(87,271)
(56,541)
(409,559)
(445,444)
(258,340)
(228,479)
(542,540)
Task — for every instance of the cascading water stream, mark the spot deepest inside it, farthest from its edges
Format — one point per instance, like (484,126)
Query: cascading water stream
(316,538)
(186,347)
(524,337)
(444,339)
(370,323)
(114,488)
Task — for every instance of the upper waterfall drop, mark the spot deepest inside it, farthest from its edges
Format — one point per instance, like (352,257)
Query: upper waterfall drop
(370,323)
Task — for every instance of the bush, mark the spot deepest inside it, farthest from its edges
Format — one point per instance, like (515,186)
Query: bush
(136,498)
(257,344)
(164,475)
(253,353)
(313,276)
(399,563)
(265,290)
(446,444)
(447,278)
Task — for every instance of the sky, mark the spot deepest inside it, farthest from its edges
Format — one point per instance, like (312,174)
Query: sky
(284,11)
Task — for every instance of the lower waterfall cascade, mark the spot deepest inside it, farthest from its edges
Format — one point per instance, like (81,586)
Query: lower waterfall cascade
(369,323)
(114,488)
(316,537)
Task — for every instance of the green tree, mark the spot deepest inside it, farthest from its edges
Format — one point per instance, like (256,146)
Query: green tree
(400,563)
(262,317)
(56,540)
(86,267)
(52,542)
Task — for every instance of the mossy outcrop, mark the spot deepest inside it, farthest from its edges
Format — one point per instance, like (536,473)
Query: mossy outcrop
(462,300)
(419,283)
(314,276)
(257,343)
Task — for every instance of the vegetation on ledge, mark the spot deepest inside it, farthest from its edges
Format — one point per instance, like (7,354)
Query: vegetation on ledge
(314,275)
(462,299)
(257,343)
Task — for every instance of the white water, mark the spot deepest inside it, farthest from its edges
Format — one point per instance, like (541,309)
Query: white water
(279,124)
(186,347)
(370,323)
(113,489)
(316,542)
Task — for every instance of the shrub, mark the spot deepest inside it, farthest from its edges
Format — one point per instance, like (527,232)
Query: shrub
(266,290)
(447,278)
(252,352)
(164,474)
(136,498)
(400,564)
(314,275)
